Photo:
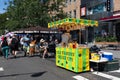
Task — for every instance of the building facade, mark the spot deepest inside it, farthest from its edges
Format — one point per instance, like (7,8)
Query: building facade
(114,20)
(72,8)
(101,10)
(107,12)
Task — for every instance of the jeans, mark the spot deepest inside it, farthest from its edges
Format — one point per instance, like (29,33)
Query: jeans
(5,51)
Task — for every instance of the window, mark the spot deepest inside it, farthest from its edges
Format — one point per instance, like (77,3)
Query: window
(70,1)
(99,8)
(96,9)
(66,1)
(66,13)
(74,13)
(70,14)
(89,11)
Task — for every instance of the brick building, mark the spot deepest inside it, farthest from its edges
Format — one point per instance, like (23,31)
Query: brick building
(72,8)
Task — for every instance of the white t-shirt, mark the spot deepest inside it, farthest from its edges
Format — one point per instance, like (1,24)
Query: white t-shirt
(22,41)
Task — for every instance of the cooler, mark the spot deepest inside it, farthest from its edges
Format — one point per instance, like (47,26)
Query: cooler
(107,55)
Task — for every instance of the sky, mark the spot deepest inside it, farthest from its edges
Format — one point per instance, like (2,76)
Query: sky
(2,5)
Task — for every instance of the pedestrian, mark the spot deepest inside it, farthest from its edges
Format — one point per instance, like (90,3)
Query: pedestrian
(14,45)
(43,48)
(56,43)
(32,47)
(26,41)
(5,48)
(9,39)
(21,42)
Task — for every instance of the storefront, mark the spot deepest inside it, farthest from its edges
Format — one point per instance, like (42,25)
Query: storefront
(95,10)
(114,26)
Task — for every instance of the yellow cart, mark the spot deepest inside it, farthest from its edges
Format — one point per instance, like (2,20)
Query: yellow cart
(76,60)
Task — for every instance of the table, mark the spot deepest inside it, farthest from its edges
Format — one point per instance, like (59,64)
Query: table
(99,61)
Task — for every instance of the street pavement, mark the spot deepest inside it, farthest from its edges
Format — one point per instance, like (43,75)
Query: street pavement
(36,68)
(32,68)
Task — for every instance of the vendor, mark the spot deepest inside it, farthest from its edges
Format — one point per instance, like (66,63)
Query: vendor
(65,38)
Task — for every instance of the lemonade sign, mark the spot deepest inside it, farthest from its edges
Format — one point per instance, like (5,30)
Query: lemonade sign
(76,60)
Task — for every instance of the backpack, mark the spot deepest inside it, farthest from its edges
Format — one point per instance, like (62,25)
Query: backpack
(4,43)
(14,41)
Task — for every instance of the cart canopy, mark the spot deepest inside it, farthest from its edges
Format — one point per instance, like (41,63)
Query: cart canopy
(72,23)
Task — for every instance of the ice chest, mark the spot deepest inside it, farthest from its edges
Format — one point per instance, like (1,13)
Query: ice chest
(107,55)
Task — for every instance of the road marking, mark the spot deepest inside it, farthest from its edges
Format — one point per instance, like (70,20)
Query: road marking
(78,77)
(116,71)
(1,69)
(106,76)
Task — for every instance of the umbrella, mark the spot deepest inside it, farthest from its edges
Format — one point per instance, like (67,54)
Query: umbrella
(9,34)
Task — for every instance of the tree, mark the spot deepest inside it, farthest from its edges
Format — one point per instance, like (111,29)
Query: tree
(25,13)
(3,19)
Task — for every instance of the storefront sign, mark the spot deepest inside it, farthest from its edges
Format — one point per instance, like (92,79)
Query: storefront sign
(108,4)
(83,11)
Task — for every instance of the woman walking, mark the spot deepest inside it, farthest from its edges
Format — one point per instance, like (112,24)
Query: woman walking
(14,45)
(5,48)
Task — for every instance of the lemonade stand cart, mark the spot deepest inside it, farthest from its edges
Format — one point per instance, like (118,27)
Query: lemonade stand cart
(73,59)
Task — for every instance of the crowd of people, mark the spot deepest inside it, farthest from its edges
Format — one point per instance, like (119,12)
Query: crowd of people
(29,44)
(9,44)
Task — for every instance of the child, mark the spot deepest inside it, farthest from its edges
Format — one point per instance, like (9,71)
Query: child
(32,47)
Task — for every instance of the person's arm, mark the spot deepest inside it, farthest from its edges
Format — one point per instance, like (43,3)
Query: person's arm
(41,46)
(0,43)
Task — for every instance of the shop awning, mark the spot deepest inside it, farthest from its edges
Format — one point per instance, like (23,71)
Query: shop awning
(111,18)
(72,23)
(36,30)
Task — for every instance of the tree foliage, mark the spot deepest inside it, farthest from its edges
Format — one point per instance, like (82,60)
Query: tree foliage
(25,13)
(3,20)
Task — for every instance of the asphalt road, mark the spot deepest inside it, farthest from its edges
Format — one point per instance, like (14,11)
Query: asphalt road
(36,68)
(32,68)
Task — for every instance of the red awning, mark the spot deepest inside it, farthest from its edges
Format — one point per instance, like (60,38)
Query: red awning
(111,18)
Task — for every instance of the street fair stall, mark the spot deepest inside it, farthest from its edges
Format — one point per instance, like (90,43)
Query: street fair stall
(72,56)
